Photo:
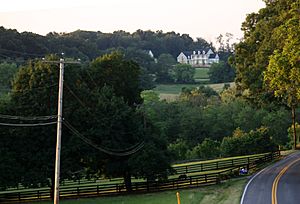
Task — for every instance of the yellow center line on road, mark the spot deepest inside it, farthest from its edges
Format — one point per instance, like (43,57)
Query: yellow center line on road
(276,181)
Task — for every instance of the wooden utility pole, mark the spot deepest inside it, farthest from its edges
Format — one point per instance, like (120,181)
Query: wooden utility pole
(59,124)
(59,127)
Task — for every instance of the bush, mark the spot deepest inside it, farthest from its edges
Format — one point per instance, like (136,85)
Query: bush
(242,143)
(208,149)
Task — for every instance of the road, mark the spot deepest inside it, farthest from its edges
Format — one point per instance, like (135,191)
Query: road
(276,184)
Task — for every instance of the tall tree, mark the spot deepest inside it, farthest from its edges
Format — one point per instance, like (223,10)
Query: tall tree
(122,75)
(34,93)
(260,40)
(164,66)
(282,76)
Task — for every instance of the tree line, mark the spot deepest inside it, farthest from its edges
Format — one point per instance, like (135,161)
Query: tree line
(87,45)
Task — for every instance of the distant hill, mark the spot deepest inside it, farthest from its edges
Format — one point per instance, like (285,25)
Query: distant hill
(87,44)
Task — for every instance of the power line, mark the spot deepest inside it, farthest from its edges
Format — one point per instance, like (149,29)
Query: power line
(27,125)
(77,98)
(88,73)
(136,148)
(30,118)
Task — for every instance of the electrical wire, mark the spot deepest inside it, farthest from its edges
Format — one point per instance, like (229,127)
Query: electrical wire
(76,97)
(137,147)
(30,118)
(89,74)
(27,124)
(88,110)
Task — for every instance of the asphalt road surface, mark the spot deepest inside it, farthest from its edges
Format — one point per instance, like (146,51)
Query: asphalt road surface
(276,184)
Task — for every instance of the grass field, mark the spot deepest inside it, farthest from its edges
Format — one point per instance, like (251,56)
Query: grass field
(201,73)
(176,88)
(225,193)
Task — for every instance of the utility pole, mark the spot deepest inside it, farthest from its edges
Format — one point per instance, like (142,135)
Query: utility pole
(59,124)
(59,127)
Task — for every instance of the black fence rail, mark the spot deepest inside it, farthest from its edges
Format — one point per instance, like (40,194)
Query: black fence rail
(223,164)
(29,195)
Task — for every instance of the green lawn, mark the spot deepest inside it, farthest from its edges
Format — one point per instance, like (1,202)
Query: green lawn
(176,88)
(201,73)
(226,193)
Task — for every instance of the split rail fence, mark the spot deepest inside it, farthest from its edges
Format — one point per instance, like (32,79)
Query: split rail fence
(226,169)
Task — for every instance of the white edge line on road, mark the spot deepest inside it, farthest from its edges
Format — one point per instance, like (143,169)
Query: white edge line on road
(245,190)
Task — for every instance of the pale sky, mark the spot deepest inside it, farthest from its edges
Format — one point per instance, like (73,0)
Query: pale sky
(198,18)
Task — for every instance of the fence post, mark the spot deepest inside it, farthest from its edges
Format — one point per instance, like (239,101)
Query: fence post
(98,189)
(217,165)
(19,196)
(148,185)
(201,167)
(271,156)
(38,194)
(205,178)
(78,191)
(186,169)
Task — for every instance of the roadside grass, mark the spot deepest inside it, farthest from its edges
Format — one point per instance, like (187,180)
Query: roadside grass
(228,192)
(201,73)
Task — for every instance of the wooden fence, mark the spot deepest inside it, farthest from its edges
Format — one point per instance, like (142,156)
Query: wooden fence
(223,164)
(231,167)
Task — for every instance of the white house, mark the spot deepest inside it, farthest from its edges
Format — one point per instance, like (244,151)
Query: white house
(202,58)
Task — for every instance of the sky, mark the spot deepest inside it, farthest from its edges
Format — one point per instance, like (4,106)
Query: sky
(198,18)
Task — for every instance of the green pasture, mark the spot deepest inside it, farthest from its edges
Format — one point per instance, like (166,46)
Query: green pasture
(225,193)
(201,73)
(176,88)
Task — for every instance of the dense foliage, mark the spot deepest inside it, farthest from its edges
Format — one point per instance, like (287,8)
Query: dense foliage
(89,45)
(100,107)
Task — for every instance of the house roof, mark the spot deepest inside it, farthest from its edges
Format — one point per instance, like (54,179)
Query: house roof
(212,56)
(189,53)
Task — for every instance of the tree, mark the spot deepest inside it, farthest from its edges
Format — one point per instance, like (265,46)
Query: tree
(34,93)
(7,71)
(282,76)
(153,161)
(208,149)
(164,66)
(242,143)
(183,73)
(278,121)
(122,75)
(260,40)
(221,72)
(118,125)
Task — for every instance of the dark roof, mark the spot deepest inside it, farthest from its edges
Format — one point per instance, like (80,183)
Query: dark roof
(212,56)
(189,53)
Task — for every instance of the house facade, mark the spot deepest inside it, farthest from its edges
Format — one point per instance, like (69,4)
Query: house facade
(198,58)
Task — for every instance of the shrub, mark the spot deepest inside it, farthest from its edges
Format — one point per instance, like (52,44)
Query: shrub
(242,143)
